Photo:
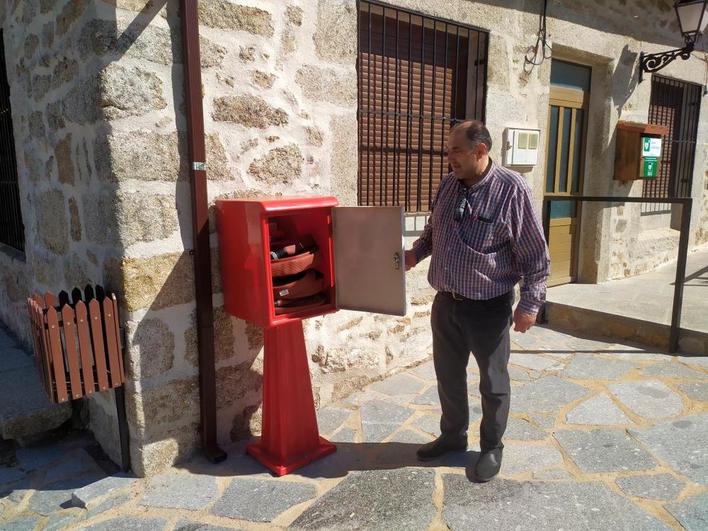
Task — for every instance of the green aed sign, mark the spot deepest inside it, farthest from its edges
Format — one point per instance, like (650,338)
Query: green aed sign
(650,167)
(651,147)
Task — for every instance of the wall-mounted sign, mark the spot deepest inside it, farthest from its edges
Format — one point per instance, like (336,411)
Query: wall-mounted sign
(650,167)
(651,146)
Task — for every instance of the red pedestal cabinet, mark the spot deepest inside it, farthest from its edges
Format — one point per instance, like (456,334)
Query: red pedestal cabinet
(356,256)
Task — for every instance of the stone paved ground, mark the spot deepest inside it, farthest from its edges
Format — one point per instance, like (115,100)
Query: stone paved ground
(602,436)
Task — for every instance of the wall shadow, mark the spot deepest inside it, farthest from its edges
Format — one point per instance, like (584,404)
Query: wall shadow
(170,401)
(608,16)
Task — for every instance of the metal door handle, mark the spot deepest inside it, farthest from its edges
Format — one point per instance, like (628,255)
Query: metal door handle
(397,261)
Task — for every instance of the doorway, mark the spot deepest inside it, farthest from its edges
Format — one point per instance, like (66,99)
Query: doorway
(565,164)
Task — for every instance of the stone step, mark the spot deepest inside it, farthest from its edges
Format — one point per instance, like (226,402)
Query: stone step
(25,410)
(568,318)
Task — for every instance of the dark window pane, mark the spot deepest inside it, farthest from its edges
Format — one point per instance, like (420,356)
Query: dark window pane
(552,143)
(565,148)
(563,209)
(570,75)
(11,227)
(577,151)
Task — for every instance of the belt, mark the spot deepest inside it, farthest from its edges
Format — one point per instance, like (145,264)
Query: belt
(458,297)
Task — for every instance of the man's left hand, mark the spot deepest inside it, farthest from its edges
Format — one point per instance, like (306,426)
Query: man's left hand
(523,321)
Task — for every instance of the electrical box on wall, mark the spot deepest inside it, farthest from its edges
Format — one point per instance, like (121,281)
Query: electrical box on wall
(521,147)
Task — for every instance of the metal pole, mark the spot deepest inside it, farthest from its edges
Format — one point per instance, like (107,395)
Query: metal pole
(119,395)
(680,275)
(200,228)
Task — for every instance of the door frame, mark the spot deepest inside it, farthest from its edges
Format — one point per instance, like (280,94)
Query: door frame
(574,99)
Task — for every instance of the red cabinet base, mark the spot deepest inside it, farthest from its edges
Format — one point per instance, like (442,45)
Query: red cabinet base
(290,438)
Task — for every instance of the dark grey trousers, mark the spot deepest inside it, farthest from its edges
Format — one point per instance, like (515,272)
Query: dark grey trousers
(481,327)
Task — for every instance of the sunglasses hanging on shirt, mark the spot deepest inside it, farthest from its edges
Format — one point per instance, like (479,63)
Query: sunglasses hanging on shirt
(461,207)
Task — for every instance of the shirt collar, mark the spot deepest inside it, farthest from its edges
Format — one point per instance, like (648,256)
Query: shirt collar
(486,177)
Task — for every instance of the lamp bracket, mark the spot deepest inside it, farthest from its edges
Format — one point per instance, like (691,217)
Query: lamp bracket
(652,62)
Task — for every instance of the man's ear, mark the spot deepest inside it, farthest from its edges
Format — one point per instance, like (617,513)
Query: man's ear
(481,150)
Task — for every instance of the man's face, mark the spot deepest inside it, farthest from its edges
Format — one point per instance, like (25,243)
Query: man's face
(464,159)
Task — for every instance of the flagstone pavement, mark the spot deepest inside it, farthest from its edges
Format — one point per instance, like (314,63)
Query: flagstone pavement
(601,436)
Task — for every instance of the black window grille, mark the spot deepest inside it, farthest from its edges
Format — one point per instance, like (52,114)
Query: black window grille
(417,76)
(12,231)
(676,105)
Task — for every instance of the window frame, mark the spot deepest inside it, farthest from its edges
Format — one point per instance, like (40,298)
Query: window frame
(416,186)
(676,151)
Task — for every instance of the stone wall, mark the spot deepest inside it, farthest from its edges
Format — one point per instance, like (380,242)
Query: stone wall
(102,147)
(702,233)
(68,84)
(59,106)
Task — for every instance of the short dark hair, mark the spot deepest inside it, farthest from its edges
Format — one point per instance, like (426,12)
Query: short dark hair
(475,132)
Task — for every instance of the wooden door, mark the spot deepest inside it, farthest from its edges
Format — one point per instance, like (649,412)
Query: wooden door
(565,153)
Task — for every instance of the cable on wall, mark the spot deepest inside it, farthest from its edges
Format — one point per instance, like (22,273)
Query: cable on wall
(541,50)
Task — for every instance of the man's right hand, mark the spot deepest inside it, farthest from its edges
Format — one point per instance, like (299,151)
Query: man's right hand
(411,260)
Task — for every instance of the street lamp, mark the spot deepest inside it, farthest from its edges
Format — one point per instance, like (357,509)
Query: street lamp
(692,17)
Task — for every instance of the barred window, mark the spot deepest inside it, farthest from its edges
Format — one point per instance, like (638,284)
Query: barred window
(675,104)
(417,77)
(12,230)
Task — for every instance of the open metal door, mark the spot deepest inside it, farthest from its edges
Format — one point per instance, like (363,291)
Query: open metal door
(369,268)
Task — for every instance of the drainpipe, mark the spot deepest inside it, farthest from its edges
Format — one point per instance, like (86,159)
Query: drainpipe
(200,229)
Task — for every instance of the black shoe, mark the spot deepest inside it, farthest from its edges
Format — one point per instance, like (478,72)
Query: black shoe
(440,446)
(488,465)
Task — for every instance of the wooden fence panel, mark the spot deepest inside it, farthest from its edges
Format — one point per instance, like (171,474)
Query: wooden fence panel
(57,358)
(39,300)
(72,356)
(37,326)
(97,338)
(82,326)
(45,352)
(51,299)
(77,343)
(112,343)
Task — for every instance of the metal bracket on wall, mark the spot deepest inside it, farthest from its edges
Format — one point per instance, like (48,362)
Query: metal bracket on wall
(653,62)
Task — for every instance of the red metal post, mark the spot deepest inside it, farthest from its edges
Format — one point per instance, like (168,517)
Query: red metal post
(289,438)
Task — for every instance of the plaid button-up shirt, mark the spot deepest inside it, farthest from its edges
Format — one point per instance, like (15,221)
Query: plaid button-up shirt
(493,241)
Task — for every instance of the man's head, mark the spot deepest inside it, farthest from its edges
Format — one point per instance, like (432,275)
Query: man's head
(468,149)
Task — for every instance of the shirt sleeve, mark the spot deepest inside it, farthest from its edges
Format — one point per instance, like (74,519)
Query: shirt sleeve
(423,246)
(530,250)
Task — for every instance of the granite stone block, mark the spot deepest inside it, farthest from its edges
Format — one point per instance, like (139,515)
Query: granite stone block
(398,499)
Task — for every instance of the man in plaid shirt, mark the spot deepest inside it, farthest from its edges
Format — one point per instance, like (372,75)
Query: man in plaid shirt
(484,237)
